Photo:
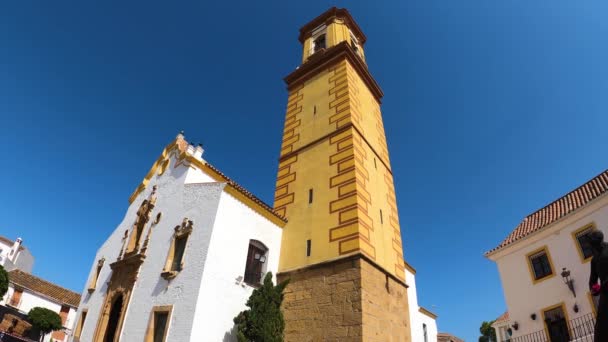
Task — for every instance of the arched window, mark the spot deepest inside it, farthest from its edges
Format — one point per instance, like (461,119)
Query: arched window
(256,259)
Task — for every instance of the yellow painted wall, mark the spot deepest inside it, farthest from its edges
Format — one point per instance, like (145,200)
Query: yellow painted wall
(332,151)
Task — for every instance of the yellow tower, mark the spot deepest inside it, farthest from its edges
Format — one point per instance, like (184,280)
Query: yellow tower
(341,246)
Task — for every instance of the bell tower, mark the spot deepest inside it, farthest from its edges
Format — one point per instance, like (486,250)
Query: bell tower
(341,247)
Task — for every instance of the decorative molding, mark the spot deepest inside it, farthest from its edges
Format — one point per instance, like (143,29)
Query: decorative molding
(327,18)
(143,216)
(180,231)
(322,60)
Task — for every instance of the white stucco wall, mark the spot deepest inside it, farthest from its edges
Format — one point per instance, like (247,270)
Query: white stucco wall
(524,298)
(417,319)
(222,296)
(182,192)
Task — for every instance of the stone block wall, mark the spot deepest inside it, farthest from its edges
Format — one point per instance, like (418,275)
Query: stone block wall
(344,300)
(384,306)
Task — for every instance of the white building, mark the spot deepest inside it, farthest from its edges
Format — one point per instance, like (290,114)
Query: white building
(531,261)
(191,248)
(27,291)
(14,255)
(422,321)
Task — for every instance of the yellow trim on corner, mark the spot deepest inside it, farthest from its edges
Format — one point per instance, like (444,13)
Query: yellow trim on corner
(560,305)
(162,162)
(409,267)
(531,268)
(578,245)
(427,312)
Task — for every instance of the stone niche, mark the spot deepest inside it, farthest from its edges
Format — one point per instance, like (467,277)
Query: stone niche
(350,299)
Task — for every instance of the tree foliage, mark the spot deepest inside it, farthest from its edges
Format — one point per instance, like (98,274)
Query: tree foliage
(3,281)
(263,321)
(488,334)
(44,320)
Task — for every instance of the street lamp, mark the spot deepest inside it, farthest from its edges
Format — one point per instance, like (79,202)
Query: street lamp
(568,281)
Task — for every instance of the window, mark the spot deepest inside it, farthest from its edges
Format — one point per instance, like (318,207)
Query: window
(180,247)
(354,43)
(581,239)
(159,324)
(256,257)
(381,218)
(426,336)
(556,323)
(539,262)
(175,258)
(93,282)
(83,317)
(16,298)
(319,43)
(309,196)
(308,243)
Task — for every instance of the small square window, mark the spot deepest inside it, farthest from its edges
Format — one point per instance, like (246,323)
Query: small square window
(319,43)
(540,265)
(582,241)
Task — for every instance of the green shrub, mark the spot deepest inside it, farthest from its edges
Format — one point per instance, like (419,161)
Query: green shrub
(263,321)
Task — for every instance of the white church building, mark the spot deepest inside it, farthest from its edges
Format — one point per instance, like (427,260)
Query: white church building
(191,248)
(544,268)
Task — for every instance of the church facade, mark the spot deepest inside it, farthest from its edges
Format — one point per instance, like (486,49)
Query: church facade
(191,248)
(194,244)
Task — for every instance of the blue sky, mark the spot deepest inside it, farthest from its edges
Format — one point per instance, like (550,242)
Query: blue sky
(492,109)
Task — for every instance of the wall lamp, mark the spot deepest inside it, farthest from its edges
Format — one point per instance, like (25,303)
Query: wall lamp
(568,281)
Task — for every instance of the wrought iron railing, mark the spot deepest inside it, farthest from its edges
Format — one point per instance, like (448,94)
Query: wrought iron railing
(579,329)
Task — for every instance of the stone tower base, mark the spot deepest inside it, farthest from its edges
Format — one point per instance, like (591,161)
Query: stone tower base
(350,299)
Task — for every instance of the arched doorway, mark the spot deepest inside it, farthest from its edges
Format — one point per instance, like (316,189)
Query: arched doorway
(113,320)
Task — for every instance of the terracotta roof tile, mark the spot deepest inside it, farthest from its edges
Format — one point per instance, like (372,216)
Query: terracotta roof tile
(559,208)
(447,337)
(43,287)
(503,317)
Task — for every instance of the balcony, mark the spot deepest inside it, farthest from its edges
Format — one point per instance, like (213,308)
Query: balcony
(579,329)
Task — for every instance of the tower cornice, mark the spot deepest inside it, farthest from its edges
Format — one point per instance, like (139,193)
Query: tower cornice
(322,59)
(326,17)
